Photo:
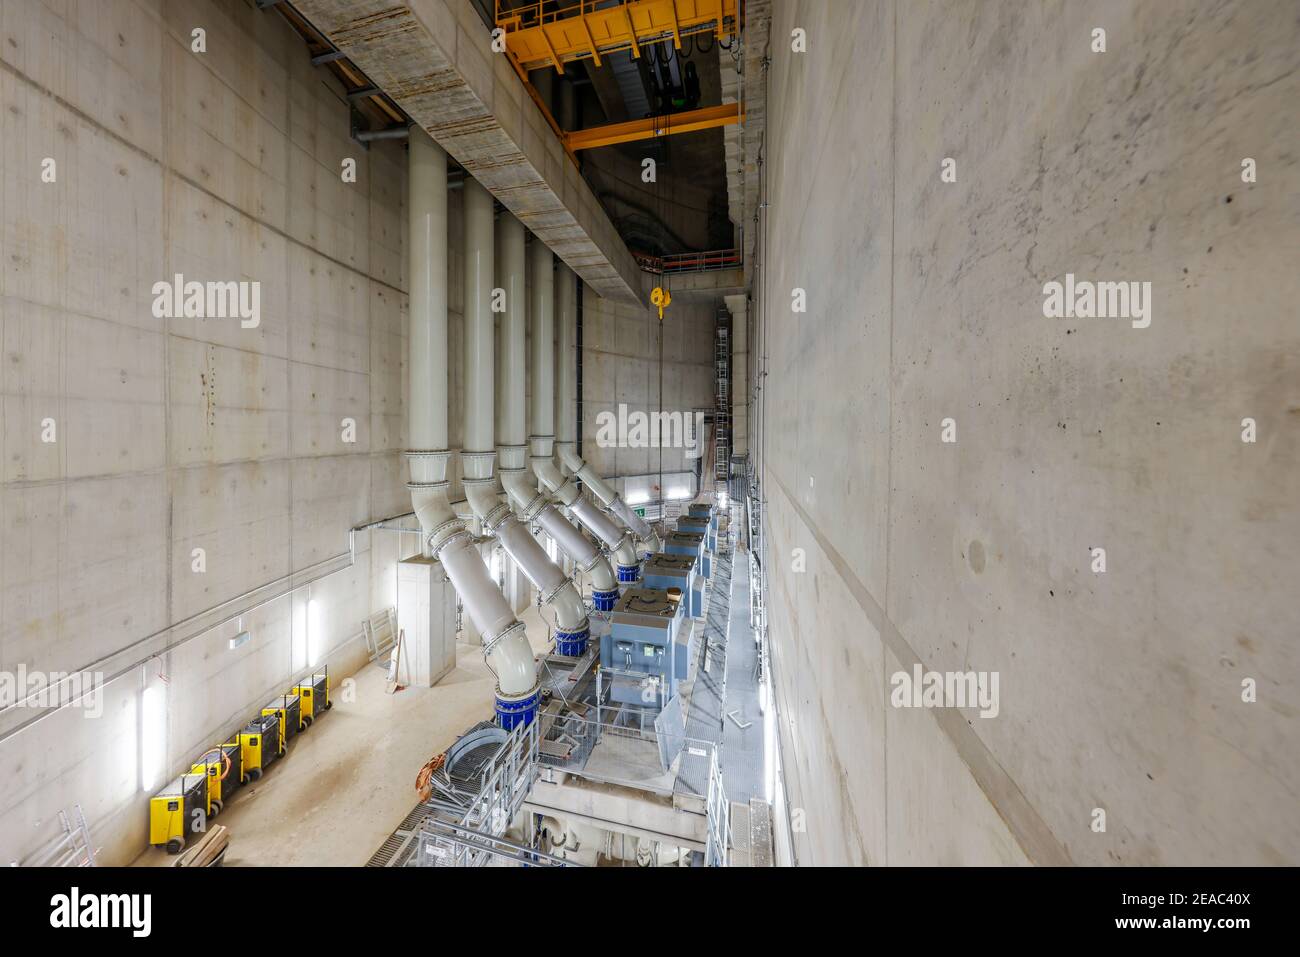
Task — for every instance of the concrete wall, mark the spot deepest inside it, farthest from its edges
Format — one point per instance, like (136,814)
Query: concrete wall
(1120,691)
(620,365)
(175,434)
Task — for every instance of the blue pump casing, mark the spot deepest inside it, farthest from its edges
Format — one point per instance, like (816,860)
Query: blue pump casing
(572,643)
(604,600)
(511,714)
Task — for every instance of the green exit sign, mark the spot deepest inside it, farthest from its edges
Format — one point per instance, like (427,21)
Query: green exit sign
(640,511)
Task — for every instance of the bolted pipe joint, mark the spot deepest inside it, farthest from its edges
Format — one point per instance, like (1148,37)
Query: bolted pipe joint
(572,644)
(604,600)
(628,573)
(513,711)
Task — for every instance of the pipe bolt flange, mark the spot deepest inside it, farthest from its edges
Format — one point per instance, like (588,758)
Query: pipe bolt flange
(534,508)
(523,696)
(491,643)
(434,454)
(478,466)
(496,517)
(445,534)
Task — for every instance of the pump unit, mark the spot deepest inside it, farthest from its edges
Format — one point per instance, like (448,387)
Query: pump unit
(702,525)
(689,543)
(665,571)
(643,641)
(704,510)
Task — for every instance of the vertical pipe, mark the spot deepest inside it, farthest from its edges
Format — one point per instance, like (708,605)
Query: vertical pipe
(511,261)
(519,483)
(564,446)
(426,400)
(565,359)
(444,537)
(479,324)
(541,308)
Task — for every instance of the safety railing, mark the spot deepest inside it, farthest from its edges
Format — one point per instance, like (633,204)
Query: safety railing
(469,841)
(689,262)
(625,750)
(717,849)
(441,844)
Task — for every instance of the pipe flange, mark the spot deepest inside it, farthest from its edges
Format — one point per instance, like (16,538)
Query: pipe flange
(431,454)
(432,486)
(482,463)
(534,508)
(508,455)
(566,486)
(497,517)
(445,534)
(491,643)
(546,599)
(596,559)
(524,696)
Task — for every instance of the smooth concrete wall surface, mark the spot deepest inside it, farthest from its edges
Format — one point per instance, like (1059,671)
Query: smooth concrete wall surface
(620,367)
(1119,691)
(174,433)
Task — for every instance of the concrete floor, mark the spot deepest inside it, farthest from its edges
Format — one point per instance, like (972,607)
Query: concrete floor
(349,781)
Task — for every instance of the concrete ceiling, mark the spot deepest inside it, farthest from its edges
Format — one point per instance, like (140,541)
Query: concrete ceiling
(434,58)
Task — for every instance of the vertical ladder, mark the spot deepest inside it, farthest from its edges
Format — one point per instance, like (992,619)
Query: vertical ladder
(722,400)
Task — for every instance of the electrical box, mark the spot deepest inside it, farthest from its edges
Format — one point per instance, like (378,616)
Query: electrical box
(643,638)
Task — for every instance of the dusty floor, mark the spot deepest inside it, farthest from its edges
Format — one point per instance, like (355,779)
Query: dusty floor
(349,781)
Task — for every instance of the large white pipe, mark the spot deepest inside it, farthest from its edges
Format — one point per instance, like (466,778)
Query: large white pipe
(511,426)
(566,359)
(566,411)
(444,536)
(518,482)
(543,418)
(479,455)
(427,208)
(480,331)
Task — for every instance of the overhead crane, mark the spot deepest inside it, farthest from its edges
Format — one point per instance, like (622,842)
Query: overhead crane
(539,34)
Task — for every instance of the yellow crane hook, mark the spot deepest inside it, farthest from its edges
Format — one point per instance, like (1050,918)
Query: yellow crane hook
(660,297)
